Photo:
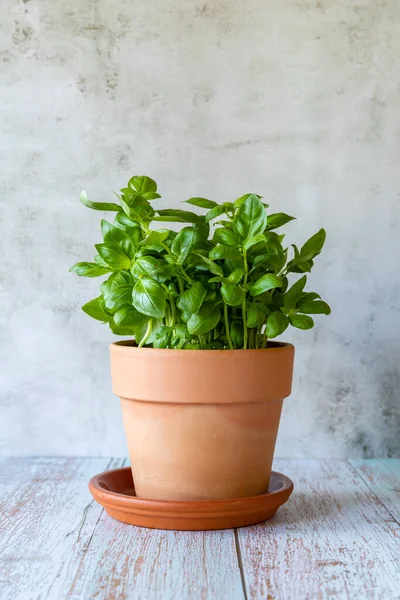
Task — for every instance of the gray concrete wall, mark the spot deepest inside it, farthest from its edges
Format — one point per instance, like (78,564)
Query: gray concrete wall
(296,100)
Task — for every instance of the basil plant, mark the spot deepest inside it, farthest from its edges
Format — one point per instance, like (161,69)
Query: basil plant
(221,282)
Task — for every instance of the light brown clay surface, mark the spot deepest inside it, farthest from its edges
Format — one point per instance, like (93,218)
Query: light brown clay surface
(201,425)
(204,376)
(115,491)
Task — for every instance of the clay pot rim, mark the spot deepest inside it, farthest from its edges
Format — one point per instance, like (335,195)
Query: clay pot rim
(130,347)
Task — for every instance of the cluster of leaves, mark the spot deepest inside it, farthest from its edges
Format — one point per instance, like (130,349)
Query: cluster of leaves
(195,289)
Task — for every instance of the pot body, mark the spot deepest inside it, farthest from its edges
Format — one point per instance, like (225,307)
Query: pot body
(201,424)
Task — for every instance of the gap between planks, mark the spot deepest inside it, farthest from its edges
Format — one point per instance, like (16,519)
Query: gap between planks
(334,537)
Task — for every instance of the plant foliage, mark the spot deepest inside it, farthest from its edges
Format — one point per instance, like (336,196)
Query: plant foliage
(221,282)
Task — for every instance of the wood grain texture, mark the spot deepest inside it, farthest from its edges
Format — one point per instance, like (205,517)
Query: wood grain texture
(47,518)
(129,563)
(338,536)
(334,538)
(57,543)
(383,478)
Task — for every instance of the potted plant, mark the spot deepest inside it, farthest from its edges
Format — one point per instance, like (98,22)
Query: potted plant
(200,381)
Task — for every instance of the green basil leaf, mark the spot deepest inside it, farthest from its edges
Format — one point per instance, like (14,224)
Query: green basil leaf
(128,316)
(301,321)
(227,224)
(189,239)
(222,251)
(227,237)
(236,276)
(142,184)
(149,298)
(316,307)
(100,261)
(117,237)
(142,328)
(169,219)
(163,337)
(181,335)
(255,317)
(257,239)
(299,264)
(262,307)
(313,246)
(303,267)
(308,297)
(240,200)
(235,261)
(122,220)
(151,195)
(211,296)
(152,267)
(88,269)
(250,219)
(118,289)
(184,216)
(192,299)
(106,284)
(217,211)
(212,266)
(191,346)
(183,243)
(292,296)
(262,260)
(105,227)
(181,331)
(285,284)
(274,245)
(277,220)
(126,331)
(265,283)
(202,202)
(136,235)
(274,262)
(97,310)
(155,237)
(106,206)
(201,232)
(266,299)
(276,324)
(204,321)
(232,294)
(114,256)
(185,316)
(137,207)
(130,212)
(141,331)
(236,331)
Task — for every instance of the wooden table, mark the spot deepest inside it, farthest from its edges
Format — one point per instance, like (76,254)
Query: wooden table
(337,537)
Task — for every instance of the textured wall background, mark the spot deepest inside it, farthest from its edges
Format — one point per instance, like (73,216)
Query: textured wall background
(296,100)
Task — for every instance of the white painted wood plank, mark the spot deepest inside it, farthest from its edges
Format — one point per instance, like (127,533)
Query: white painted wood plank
(383,478)
(334,538)
(393,464)
(130,563)
(47,518)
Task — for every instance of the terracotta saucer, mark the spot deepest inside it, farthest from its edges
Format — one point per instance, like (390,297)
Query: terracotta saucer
(115,491)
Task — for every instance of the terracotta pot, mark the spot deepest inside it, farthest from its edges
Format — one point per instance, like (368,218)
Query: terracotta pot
(201,424)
